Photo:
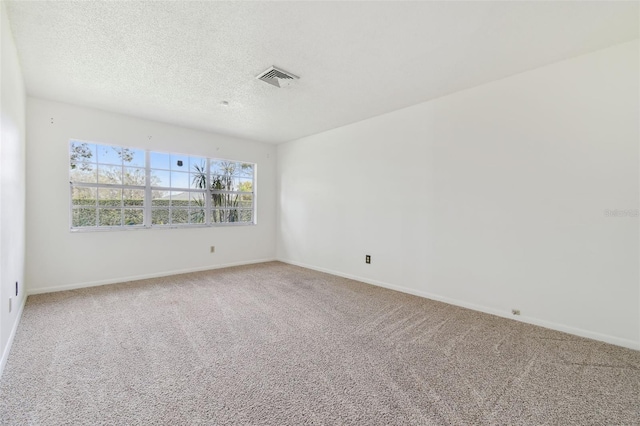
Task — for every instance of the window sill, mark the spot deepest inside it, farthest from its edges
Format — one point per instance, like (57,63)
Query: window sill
(141,228)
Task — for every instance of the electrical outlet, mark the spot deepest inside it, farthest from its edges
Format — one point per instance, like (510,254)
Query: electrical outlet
(515,311)
(212,249)
(367,259)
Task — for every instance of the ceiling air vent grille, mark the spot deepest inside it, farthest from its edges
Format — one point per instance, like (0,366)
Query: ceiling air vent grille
(277,77)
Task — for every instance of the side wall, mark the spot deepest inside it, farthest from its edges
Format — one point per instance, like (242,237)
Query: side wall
(12,189)
(59,259)
(494,198)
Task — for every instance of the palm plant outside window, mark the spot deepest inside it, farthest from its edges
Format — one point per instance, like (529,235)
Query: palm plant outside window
(231,187)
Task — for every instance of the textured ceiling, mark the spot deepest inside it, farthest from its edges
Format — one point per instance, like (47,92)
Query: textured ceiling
(177,61)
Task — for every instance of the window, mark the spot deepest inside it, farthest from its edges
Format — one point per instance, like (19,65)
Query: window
(231,192)
(115,187)
(107,186)
(176,196)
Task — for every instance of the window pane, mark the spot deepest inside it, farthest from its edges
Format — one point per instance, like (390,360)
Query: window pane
(160,217)
(229,183)
(220,182)
(160,161)
(233,215)
(133,197)
(83,196)
(198,176)
(134,176)
(245,200)
(197,162)
(218,200)
(246,216)
(196,215)
(134,157)
(223,168)
(160,198)
(83,217)
(216,215)
(109,217)
(231,200)
(109,197)
(216,167)
(85,173)
(133,217)
(179,199)
(246,170)
(244,184)
(110,174)
(81,154)
(197,199)
(179,180)
(225,215)
(179,216)
(109,154)
(161,178)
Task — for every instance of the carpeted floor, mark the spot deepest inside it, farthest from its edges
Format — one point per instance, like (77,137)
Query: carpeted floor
(274,344)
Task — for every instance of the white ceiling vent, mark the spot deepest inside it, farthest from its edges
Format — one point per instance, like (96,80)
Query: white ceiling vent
(277,77)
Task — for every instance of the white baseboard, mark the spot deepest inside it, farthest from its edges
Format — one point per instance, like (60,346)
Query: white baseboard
(75,286)
(505,314)
(7,348)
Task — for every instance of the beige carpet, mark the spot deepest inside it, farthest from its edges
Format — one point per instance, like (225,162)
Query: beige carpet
(274,344)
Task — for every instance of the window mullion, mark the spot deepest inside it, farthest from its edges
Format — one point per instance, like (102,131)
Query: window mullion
(147,189)
(207,195)
(106,185)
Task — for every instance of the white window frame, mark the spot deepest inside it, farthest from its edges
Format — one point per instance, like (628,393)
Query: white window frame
(148,189)
(237,193)
(171,190)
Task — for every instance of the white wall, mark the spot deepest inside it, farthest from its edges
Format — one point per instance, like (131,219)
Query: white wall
(58,259)
(493,198)
(12,188)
